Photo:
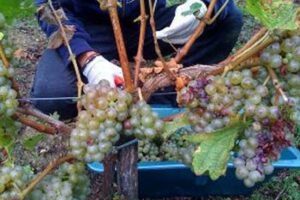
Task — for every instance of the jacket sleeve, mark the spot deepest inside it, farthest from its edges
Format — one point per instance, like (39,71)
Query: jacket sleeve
(79,43)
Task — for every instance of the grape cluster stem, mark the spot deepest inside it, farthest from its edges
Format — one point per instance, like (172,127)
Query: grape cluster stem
(277,84)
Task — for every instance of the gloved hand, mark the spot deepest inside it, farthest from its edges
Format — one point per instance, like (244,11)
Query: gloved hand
(99,69)
(182,26)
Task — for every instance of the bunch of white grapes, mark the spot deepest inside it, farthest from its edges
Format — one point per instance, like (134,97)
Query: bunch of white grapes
(271,131)
(8,101)
(69,182)
(169,151)
(175,148)
(252,164)
(143,122)
(99,126)
(214,101)
(12,181)
(148,151)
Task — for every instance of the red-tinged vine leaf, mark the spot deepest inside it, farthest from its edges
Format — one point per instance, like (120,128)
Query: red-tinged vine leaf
(213,153)
(172,126)
(46,14)
(57,39)
(181,82)
(61,14)
(69,31)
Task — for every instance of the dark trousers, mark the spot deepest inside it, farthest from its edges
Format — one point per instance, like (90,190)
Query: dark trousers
(54,79)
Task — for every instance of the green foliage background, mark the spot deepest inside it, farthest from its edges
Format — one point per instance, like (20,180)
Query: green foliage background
(16,9)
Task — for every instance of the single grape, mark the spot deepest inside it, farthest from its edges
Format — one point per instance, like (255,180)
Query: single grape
(293,66)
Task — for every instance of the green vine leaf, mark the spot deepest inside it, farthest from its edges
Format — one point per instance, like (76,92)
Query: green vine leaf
(275,14)
(213,152)
(5,140)
(172,126)
(195,7)
(31,142)
(7,143)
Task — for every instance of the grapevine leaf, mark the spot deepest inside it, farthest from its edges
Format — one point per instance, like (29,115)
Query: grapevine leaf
(195,7)
(9,150)
(1,36)
(46,14)
(214,150)
(61,14)
(31,142)
(173,126)
(236,126)
(70,31)
(5,140)
(55,115)
(275,14)
(188,12)
(55,40)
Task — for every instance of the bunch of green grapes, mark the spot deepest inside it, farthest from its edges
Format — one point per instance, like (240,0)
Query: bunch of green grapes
(9,49)
(271,130)
(69,182)
(287,69)
(12,181)
(175,148)
(284,57)
(99,126)
(213,101)
(169,151)
(8,101)
(143,122)
(148,151)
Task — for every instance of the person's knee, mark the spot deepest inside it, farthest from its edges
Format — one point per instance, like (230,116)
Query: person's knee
(53,80)
(51,101)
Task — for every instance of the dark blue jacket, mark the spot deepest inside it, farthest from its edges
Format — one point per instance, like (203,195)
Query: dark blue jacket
(81,10)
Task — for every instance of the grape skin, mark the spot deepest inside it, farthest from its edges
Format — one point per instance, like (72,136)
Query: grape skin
(99,126)
(10,178)
(143,122)
(8,95)
(68,182)
(255,100)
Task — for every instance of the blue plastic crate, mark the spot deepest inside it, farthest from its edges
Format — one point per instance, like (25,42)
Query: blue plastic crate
(167,179)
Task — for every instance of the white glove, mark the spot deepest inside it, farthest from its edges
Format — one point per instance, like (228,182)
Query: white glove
(100,69)
(182,27)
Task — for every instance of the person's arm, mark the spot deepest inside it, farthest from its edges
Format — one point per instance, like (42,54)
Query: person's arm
(79,43)
(94,66)
(183,26)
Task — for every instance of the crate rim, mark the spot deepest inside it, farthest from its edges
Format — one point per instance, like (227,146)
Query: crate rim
(292,164)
